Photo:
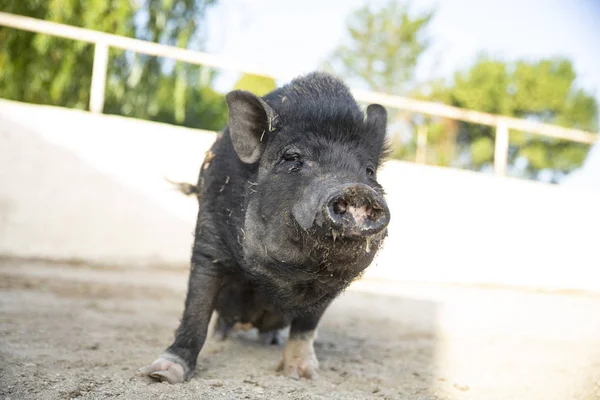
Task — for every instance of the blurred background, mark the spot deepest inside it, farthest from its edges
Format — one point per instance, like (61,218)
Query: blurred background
(488,286)
(506,58)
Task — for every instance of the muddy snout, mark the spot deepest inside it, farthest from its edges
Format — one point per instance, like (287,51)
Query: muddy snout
(355,211)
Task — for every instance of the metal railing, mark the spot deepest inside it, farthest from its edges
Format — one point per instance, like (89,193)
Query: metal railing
(103,41)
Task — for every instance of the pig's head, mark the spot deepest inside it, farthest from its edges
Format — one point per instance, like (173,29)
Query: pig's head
(316,208)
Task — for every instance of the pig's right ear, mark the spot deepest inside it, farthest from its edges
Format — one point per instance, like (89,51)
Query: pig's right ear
(251,119)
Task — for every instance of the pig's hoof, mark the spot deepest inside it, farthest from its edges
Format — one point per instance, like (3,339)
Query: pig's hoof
(270,338)
(299,360)
(223,329)
(167,368)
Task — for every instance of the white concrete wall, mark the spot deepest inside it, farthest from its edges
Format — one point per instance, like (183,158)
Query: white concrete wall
(466,227)
(80,186)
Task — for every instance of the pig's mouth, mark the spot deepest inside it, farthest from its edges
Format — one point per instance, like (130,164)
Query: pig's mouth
(369,243)
(353,241)
(346,250)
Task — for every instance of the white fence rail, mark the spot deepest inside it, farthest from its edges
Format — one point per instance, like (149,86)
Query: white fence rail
(103,41)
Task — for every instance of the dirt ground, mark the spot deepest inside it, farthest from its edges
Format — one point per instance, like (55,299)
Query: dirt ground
(78,331)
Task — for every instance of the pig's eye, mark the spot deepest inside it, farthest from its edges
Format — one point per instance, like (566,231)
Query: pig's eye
(291,161)
(370,172)
(291,157)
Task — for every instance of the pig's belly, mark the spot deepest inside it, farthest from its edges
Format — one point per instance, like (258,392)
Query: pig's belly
(240,301)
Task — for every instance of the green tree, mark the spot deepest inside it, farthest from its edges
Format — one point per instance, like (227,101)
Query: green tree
(543,91)
(48,70)
(259,85)
(381,53)
(160,89)
(383,48)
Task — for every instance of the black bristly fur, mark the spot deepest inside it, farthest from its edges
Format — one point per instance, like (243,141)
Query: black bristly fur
(251,260)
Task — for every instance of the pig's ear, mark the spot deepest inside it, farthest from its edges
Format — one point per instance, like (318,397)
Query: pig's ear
(250,121)
(377,119)
(377,124)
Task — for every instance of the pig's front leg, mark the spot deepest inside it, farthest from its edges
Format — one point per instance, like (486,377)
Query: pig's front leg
(179,361)
(299,359)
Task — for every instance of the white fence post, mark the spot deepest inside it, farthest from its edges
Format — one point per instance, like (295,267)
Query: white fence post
(501,149)
(99,77)
(421,144)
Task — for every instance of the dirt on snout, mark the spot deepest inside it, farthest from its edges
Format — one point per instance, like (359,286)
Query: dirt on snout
(81,332)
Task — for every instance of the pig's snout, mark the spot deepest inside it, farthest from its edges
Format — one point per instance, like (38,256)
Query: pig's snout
(356,211)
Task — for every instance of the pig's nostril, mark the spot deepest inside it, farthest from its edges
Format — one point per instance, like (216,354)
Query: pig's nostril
(373,211)
(340,206)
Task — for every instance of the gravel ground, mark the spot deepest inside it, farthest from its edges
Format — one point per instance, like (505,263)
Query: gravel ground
(81,331)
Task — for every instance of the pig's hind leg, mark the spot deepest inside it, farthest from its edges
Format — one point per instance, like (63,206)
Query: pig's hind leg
(223,328)
(270,324)
(270,337)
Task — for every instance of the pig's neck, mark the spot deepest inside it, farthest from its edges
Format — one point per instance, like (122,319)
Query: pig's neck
(298,288)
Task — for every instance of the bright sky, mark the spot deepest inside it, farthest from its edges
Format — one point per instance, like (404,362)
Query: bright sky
(293,37)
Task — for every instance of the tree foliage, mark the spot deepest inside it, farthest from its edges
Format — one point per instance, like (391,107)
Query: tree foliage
(381,53)
(543,91)
(259,85)
(383,48)
(47,70)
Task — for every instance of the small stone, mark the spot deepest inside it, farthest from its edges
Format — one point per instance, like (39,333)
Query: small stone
(464,388)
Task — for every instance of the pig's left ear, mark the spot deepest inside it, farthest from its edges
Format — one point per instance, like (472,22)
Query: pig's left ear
(251,119)
(377,124)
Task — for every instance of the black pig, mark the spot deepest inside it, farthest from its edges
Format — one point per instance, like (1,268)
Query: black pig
(290,213)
